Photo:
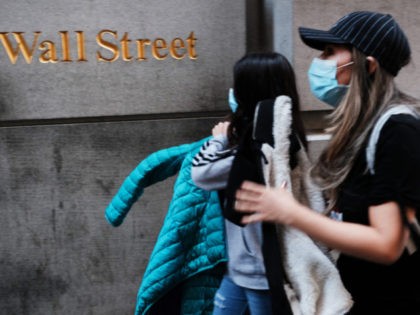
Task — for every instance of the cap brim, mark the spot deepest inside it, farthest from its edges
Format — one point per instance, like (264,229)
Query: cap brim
(318,39)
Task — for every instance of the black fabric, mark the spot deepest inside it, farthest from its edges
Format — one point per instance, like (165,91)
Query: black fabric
(293,150)
(263,129)
(373,33)
(245,166)
(249,159)
(169,303)
(274,270)
(397,175)
(397,178)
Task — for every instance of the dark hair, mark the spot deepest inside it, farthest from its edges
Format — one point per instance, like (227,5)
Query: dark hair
(258,77)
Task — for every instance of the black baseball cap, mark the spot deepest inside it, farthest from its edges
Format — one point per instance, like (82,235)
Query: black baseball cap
(374,34)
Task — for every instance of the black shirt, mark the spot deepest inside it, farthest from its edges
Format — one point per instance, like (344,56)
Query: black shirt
(376,288)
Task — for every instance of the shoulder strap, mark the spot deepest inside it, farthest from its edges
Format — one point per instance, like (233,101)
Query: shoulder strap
(376,131)
(263,122)
(414,227)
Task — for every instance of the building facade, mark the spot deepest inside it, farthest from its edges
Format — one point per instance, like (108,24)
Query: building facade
(88,90)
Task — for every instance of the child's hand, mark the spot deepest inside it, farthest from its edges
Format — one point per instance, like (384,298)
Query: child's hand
(220,129)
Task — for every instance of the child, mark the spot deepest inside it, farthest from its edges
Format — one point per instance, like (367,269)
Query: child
(264,83)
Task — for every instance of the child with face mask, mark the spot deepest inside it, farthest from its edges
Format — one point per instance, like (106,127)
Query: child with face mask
(361,55)
(257,77)
(265,101)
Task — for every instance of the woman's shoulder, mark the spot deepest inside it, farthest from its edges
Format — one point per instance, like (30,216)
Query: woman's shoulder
(405,119)
(402,126)
(400,136)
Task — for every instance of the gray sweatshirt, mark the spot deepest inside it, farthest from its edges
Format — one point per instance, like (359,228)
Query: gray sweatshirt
(210,171)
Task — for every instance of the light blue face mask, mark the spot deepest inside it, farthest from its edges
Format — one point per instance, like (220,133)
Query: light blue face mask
(323,82)
(232,101)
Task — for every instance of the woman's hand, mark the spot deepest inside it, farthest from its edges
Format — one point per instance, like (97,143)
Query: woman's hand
(265,203)
(220,129)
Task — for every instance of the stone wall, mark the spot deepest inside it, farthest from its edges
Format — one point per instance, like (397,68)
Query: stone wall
(80,107)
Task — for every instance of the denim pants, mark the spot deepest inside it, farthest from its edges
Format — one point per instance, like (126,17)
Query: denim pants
(232,299)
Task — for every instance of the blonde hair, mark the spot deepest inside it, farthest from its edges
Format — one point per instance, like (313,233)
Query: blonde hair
(368,96)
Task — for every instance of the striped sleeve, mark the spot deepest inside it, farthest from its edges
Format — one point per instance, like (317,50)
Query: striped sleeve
(211,165)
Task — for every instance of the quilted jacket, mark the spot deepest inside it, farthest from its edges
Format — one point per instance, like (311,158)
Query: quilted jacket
(186,265)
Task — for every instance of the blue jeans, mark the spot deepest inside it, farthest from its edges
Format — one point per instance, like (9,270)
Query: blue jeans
(232,299)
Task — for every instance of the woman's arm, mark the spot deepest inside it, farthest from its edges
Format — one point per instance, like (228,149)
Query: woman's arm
(382,241)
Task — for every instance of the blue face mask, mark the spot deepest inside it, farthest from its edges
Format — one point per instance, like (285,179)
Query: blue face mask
(323,82)
(232,101)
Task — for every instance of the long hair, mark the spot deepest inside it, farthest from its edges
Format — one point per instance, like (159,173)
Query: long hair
(258,77)
(369,95)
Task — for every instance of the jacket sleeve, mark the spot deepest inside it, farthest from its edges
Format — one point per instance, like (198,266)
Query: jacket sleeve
(211,165)
(154,168)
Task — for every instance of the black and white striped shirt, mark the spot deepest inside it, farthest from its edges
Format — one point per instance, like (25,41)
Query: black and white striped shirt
(211,166)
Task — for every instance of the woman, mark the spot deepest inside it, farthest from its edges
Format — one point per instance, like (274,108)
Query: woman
(361,55)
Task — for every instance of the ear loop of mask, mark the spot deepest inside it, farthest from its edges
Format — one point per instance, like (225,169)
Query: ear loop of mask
(346,64)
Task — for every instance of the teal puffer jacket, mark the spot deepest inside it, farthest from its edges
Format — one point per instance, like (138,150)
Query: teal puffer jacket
(187,262)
